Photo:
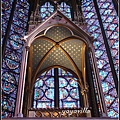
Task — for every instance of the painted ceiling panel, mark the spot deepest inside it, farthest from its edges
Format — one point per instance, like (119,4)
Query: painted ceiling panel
(58,33)
(74,49)
(40,47)
(71,53)
(57,57)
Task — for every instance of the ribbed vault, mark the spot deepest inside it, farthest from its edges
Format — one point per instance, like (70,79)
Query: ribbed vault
(57,47)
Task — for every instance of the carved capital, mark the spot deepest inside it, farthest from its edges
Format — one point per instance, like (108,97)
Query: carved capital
(27,48)
(84,91)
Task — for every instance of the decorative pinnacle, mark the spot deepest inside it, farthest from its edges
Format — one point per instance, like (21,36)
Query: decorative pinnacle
(55,1)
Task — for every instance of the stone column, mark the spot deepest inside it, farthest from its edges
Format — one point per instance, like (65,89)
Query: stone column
(21,85)
(98,84)
(85,98)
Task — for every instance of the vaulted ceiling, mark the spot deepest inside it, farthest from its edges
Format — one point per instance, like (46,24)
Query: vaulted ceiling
(57,47)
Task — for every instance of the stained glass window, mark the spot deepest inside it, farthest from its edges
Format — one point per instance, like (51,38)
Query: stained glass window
(44,90)
(105,72)
(110,23)
(65,9)
(13,56)
(46,10)
(6,10)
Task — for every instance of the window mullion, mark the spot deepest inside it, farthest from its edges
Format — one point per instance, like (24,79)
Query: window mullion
(56,88)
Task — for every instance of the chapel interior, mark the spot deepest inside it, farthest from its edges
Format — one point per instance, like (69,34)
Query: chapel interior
(59,59)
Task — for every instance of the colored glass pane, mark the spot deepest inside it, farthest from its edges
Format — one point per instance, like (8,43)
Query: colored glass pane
(110,25)
(65,9)
(68,89)
(44,90)
(46,10)
(6,10)
(13,54)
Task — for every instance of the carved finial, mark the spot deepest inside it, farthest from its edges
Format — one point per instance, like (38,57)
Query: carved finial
(55,1)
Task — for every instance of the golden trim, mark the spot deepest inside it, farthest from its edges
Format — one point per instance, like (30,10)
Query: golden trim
(83,63)
(73,37)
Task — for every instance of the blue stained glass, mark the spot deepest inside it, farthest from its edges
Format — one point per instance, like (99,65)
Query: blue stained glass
(114,52)
(6,9)
(106,87)
(112,113)
(101,63)
(107,12)
(63,93)
(8,77)
(24,4)
(50,82)
(62,82)
(105,5)
(15,45)
(18,29)
(12,56)
(91,21)
(8,87)
(8,104)
(16,37)
(43,9)
(116,43)
(20,16)
(46,10)
(11,64)
(103,74)
(17,21)
(50,94)
(74,93)
(3,31)
(98,53)
(43,15)
(69,104)
(65,9)
(112,26)
(39,83)
(4,22)
(109,19)
(43,105)
(114,35)
(73,83)
(6,114)
(109,99)
(7,5)
(97,44)
(38,94)
(89,15)
(45,90)
(21,10)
